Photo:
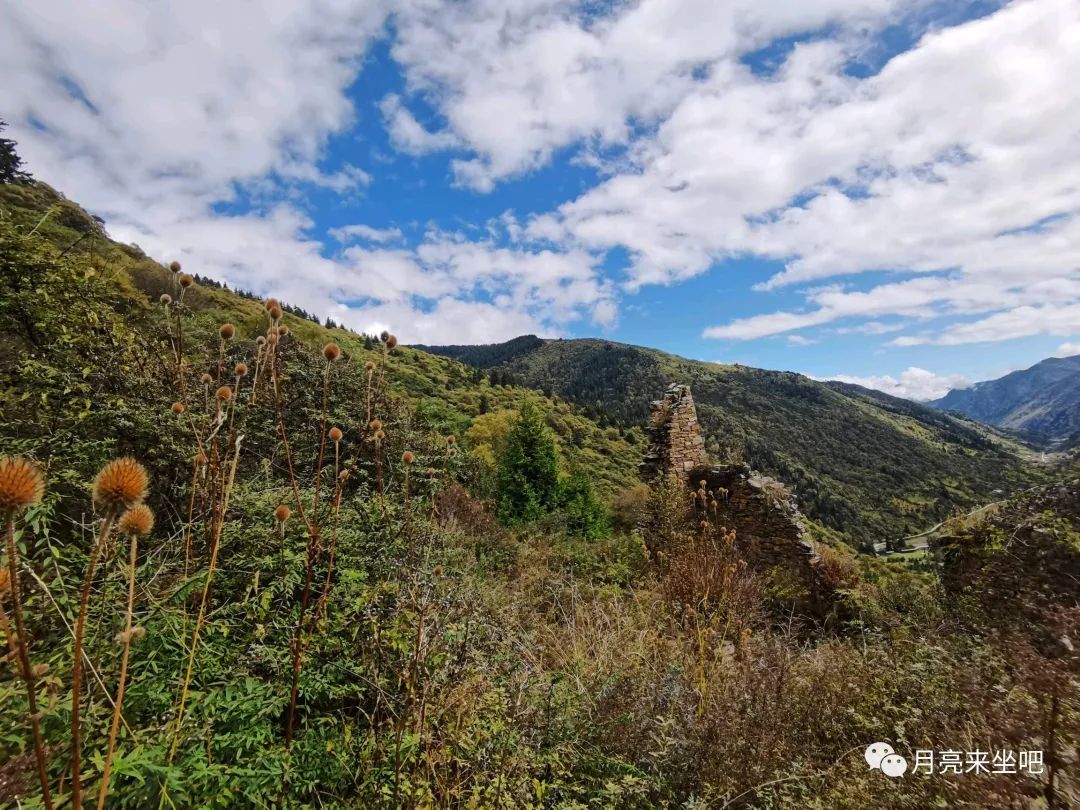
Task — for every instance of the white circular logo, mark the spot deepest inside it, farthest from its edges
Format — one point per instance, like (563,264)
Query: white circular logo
(875,752)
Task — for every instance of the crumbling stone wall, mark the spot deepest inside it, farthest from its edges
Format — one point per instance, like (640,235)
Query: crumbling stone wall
(769,528)
(675,443)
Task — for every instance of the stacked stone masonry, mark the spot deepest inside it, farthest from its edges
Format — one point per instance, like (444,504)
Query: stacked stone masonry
(768,526)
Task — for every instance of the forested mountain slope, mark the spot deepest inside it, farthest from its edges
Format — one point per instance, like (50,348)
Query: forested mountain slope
(1042,401)
(864,463)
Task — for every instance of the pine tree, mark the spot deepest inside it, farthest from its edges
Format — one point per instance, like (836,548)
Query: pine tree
(10,162)
(528,469)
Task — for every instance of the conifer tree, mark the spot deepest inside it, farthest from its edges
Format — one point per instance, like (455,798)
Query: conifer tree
(10,162)
(528,469)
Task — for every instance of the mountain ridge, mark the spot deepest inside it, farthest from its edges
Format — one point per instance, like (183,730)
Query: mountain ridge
(862,462)
(1041,402)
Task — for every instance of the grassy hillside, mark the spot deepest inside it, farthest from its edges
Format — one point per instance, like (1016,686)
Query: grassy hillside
(309,604)
(125,284)
(863,463)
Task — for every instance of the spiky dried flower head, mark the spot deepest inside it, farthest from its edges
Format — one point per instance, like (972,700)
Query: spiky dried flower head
(174,266)
(437,570)
(391,341)
(331,351)
(275,313)
(272,338)
(408,457)
(165,299)
(452,452)
(178,408)
(282,513)
(451,440)
(227,331)
(186,280)
(369,365)
(431,471)
(283,330)
(379,435)
(260,341)
(336,434)
(21,483)
(224,393)
(137,521)
(272,303)
(121,484)
(384,335)
(200,459)
(376,424)
(240,370)
(206,379)
(138,632)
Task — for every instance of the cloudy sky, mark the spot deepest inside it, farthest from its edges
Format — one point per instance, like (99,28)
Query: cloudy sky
(886,191)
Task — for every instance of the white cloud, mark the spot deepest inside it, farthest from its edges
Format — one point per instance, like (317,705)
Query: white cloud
(407,133)
(914,383)
(1067,350)
(150,115)
(349,233)
(799,340)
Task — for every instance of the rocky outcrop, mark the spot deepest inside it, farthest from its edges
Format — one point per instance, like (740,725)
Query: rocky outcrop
(675,443)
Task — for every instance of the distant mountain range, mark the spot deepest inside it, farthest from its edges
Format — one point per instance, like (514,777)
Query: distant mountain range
(1041,402)
(861,461)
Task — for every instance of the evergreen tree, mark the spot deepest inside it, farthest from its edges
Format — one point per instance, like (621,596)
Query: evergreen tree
(10,162)
(528,482)
(585,514)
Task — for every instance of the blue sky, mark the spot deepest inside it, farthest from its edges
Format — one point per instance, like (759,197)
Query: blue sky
(884,191)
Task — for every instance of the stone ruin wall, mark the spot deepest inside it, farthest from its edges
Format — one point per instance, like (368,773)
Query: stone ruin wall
(768,526)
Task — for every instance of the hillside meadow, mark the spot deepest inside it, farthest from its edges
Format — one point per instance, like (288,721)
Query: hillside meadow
(253,561)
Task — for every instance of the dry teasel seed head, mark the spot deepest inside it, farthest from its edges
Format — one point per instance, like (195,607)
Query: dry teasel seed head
(369,365)
(431,471)
(174,266)
(282,513)
(123,637)
(275,313)
(224,393)
(452,452)
(331,351)
(379,435)
(122,483)
(283,330)
(260,341)
(165,299)
(21,484)
(178,408)
(451,440)
(408,457)
(391,341)
(376,424)
(201,459)
(138,520)
(138,632)
(272,303)
(240,370)
(384,336)
(437,570)
(272,338)
(335,434)
(206,379)
(186,280)
(227,331)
